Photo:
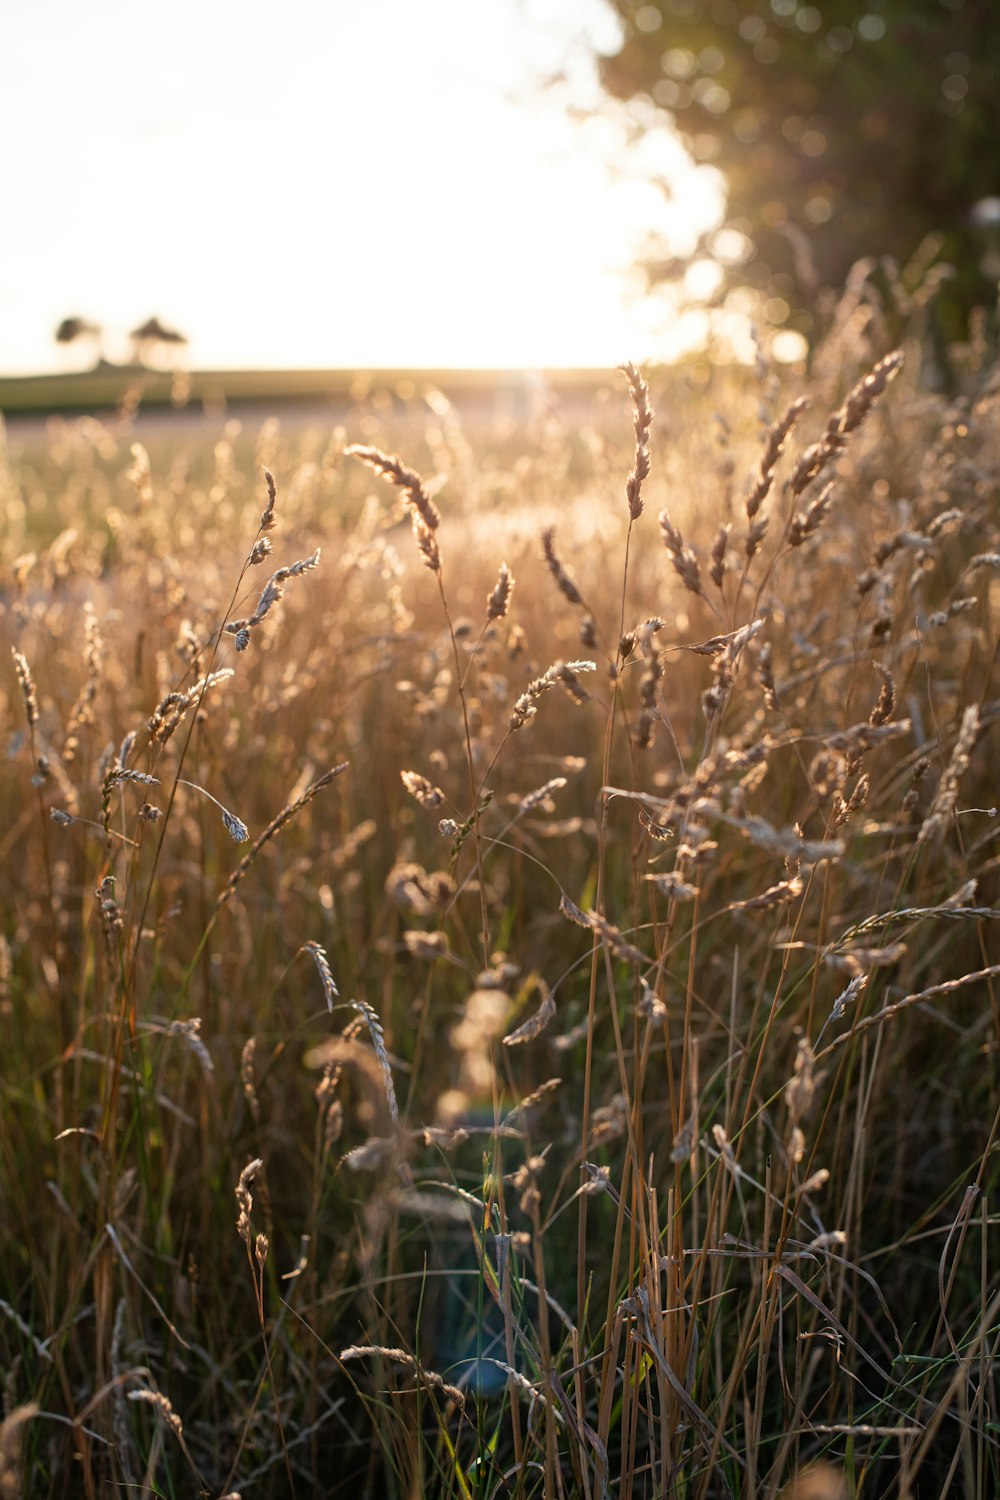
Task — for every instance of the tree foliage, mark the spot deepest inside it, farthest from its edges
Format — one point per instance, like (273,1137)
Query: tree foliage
(75,329)
(153,336)
(844,129)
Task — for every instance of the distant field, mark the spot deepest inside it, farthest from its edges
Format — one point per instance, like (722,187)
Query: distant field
(109,387)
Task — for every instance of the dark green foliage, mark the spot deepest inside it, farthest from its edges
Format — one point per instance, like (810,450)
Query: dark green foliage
(844,129)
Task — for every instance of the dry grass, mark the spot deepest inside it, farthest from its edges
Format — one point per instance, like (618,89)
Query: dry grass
(599,1029)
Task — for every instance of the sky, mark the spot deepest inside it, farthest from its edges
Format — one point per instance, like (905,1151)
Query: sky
(331,183)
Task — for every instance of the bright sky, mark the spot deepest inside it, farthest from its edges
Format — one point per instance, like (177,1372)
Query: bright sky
(328,183)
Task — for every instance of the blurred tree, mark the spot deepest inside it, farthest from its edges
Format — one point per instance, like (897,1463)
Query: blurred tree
(843,129)
(72,330)
(151,336)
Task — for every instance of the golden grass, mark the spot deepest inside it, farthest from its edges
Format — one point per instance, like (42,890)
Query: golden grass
(599,1028)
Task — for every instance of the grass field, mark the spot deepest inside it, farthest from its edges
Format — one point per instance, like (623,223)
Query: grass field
(498,946)
(132,388)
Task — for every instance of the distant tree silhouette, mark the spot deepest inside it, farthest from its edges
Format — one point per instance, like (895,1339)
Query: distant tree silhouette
(153,335)
(72,330)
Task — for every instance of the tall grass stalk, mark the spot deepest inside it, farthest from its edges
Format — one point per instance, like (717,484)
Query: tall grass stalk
(610,1030)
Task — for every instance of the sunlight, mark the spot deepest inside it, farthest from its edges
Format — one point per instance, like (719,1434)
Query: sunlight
(334,192)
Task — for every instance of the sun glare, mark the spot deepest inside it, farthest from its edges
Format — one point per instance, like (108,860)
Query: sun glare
(377,185)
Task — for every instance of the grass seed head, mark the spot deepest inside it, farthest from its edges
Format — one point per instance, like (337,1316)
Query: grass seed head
(27,685)
(642,419)
(498,601)
(244,1198)
(267,518)
(563,578)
